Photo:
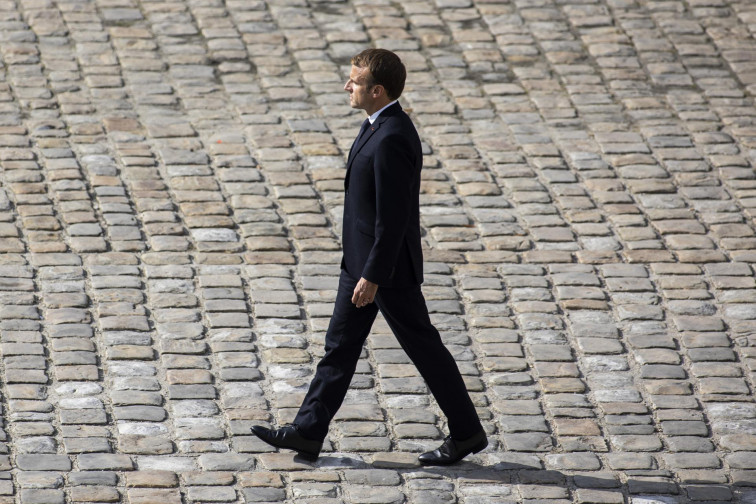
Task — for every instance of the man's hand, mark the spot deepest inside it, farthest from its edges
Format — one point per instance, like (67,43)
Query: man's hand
(364,293)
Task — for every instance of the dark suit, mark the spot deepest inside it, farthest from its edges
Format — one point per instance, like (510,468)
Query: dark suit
(381,230)
(381,242)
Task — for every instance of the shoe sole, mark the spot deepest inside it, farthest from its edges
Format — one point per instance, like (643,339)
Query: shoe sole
(475,449)
(309,457)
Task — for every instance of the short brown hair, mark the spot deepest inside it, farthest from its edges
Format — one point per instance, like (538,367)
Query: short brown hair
(386,69)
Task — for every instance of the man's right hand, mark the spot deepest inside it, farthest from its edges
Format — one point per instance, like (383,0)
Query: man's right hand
(364,293)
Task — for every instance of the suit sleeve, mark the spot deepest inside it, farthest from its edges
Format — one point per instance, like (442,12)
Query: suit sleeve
(393,167)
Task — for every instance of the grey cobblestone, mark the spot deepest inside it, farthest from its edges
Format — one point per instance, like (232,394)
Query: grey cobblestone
(171,179)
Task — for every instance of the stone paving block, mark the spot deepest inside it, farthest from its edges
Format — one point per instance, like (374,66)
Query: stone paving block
(153,495)
(599,496)
(105,461)
(41,496)
(154,479)
(743,478)
(576,461)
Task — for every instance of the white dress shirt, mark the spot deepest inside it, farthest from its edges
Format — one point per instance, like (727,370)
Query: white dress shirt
(375,115)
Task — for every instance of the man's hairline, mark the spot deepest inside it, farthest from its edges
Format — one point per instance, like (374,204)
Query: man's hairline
(372,79)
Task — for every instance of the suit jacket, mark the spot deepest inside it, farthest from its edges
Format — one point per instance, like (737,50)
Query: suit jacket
(381,227)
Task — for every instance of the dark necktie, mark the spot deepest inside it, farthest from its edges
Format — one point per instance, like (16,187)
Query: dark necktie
(363,129)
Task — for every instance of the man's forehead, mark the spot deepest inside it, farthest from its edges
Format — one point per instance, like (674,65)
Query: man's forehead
(359,74)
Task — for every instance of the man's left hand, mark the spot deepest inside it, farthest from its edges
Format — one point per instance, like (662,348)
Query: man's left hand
(364,293)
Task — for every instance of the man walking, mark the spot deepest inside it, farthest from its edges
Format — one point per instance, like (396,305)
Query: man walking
(382,269)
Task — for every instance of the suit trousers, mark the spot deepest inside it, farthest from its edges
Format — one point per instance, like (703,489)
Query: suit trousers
(407,315)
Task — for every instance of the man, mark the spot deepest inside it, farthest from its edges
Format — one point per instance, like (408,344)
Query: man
(381,269)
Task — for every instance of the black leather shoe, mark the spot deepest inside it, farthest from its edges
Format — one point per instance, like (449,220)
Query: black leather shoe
(289,437)
(452,451)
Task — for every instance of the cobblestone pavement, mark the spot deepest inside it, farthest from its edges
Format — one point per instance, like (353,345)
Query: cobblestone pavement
(170,195)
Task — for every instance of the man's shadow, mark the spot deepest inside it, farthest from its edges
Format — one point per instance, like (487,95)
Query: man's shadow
(505,472)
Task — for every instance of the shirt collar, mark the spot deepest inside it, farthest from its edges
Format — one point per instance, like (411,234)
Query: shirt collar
(375,115)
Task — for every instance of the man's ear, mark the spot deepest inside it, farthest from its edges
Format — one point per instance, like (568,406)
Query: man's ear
(378,90)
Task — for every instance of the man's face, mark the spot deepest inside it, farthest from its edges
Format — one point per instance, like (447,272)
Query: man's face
(360,96)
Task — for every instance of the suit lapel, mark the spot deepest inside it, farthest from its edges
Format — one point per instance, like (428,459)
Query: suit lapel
(359,144)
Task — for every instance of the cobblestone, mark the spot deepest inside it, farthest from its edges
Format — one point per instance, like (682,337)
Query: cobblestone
(171,183)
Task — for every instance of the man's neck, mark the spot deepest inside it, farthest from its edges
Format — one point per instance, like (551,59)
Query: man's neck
(378,106)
